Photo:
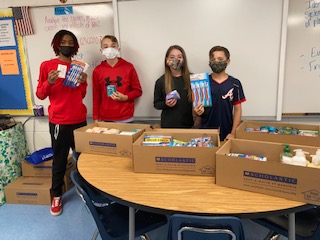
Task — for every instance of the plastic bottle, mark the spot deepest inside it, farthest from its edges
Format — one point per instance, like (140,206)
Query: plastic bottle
(300,158)
(315,160)
(286,156)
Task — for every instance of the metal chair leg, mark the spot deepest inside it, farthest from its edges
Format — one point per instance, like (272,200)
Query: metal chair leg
(272,236)
(145,237)
(95,234)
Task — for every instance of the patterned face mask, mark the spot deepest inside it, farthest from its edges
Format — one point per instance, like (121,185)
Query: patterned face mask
(176,64)
(218,67)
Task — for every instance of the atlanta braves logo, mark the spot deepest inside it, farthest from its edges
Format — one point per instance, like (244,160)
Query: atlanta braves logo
(229,94)
(118,81)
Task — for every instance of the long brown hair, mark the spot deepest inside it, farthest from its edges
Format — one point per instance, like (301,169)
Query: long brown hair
(169,84)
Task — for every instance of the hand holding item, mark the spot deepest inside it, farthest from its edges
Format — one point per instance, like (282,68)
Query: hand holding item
(171,102)
(52,76)
(118,96)
(82,78)
(199,109)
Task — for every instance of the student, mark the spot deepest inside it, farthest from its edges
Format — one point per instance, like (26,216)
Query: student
(227,96)
(176,113)
(66,110)
(114,105)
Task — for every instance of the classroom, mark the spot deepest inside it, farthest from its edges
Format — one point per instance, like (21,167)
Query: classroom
(274,52)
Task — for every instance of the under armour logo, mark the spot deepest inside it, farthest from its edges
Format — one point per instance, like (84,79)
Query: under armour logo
(118,81)
(229,94)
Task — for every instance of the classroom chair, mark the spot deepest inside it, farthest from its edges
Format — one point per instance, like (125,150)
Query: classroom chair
(307,225)
(190,227)
(112,219)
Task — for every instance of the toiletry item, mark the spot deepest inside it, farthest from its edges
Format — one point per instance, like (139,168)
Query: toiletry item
(315,160)
(173,95)
(286,154)
(300,158)
(247,156)
(286,130)
(111,89)
(308,133)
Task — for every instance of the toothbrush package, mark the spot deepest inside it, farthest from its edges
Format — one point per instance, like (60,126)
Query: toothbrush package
(201,93)
(74,72)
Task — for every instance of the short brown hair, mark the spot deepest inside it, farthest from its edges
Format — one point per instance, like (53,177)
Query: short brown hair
(219,48)
(111,37)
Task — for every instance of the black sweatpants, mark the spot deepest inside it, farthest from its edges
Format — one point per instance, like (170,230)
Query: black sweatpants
(62,139)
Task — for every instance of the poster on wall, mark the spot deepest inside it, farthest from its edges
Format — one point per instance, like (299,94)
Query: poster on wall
(15,95)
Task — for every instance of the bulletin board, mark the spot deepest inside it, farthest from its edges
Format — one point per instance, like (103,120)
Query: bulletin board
(15,94)
(89,22)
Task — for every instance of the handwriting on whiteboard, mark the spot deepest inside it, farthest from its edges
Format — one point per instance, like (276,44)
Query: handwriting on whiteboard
(312,14)
(55,23)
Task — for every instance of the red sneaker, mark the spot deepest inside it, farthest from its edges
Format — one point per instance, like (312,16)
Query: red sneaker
(56,206)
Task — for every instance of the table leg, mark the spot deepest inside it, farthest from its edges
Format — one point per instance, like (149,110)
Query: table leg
(292,227)
(131,223)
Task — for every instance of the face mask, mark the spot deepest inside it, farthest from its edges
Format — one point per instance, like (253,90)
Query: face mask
(218,67)
(110,53)
(66,51)
(177,64)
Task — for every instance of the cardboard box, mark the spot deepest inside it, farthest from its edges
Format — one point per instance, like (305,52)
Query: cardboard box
(176,160)
(68,184)
(43,169)
(270,177)
(29,190)
(108,144)
(294,139)
(34,190)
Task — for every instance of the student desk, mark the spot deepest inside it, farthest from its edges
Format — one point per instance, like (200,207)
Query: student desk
(169,194)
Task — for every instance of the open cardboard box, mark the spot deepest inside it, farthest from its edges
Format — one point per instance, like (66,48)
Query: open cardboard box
(108,144)
(270,177)
(176,160)
(281,138)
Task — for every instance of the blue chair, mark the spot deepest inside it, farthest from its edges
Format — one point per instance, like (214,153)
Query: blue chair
(307,225)
(190,227)
(112,219)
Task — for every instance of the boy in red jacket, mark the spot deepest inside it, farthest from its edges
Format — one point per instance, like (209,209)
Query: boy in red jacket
(115,85)
(66,110)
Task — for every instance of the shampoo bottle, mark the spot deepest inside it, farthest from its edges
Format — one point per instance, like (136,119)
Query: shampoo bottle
(300,158)
(315,160)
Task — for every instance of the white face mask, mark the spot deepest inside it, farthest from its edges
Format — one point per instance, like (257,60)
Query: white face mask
(110,53)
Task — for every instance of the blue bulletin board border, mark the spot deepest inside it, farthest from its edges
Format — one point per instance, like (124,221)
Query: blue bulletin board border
(15,91)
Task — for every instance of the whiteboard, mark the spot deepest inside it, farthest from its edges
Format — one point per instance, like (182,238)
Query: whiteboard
(88,22)
(302,68)
(250,29)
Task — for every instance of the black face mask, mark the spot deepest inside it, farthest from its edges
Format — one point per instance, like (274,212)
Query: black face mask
(66,51)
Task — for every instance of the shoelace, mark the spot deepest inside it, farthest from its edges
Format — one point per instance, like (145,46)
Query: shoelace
(56,201)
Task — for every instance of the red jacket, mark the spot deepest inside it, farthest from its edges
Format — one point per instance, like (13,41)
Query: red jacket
(124,77)
(66,103)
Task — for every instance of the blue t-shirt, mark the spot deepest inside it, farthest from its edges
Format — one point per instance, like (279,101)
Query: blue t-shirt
(224,96)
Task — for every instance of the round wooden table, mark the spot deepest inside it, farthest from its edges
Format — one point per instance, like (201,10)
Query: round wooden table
(169,194)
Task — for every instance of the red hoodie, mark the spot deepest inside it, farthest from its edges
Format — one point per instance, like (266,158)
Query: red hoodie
(66,103)
(125,78)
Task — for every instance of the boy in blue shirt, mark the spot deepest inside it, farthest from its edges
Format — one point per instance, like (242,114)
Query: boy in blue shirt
(227,95)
